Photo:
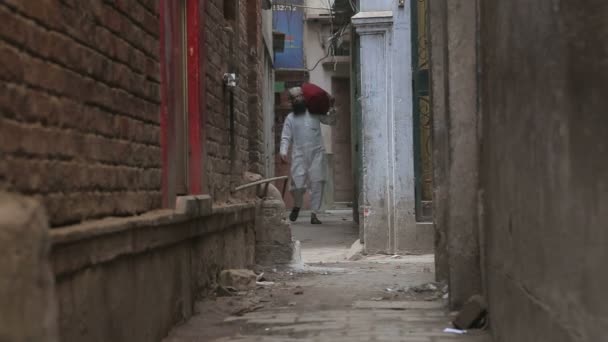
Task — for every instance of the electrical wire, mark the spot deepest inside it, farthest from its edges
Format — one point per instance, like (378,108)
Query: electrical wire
(333,39)
(353,6)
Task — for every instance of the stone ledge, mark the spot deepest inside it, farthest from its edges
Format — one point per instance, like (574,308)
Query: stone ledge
(196,205)
(372,22)
(97,242)
(374,15)
(110,225)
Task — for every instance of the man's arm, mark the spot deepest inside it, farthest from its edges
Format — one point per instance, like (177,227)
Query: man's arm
(286,137)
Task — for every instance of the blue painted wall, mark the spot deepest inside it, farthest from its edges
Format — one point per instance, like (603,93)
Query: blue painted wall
(290,21)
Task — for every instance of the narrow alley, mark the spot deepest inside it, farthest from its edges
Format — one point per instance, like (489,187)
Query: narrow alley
(332,298)
(303,170)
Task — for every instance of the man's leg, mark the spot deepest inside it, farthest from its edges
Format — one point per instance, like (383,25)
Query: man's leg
(298,201)
(316,201)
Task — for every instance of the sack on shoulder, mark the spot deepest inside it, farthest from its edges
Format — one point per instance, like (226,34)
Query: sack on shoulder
(317,100)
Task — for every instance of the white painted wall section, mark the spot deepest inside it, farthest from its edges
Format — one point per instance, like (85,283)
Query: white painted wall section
(387,201)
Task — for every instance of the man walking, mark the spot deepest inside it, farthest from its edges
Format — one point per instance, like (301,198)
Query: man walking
(302,131)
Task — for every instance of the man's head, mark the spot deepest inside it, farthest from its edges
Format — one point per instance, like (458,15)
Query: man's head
(296,96)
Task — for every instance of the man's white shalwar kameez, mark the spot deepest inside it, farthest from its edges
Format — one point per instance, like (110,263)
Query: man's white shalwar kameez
(308,161)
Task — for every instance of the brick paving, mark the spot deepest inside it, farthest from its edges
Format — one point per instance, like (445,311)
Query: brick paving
(418,325)
(333,302)
(333,308)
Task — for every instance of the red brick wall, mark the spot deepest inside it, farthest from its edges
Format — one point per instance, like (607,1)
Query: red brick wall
(79,105)
(228,52)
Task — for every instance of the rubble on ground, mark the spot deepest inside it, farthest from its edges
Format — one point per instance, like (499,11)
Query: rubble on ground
(355,252)
(473,314)
(225,291)
(241,280)
(429,292)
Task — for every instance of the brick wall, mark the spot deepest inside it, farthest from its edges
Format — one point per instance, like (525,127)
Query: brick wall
(256,85)
(228,50)
(79,104)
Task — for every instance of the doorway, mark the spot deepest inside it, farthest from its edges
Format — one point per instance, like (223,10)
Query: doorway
(180,100)
(341,144)
(423,119)
(182,110)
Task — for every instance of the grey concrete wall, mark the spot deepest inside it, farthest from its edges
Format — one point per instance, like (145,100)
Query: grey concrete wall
(438,75)
(134,279)
(545,168)
(453,29)
(462,233)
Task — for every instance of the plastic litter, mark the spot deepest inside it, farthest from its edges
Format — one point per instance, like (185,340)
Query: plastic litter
(454,331)
(265,283)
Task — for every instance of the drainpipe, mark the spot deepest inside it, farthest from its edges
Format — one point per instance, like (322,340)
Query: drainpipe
(230,84)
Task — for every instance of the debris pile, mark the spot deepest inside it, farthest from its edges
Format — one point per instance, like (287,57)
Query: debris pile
(473,314)
(429,292)
(241,280)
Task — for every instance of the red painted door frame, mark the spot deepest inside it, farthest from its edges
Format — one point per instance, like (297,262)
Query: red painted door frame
(195,165)
(195,16)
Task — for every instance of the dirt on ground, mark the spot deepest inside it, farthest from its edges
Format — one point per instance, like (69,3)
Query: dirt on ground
(328,296)
(318,287)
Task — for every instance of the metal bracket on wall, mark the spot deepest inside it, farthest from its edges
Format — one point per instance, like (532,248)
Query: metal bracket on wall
(401,3)
(230,80)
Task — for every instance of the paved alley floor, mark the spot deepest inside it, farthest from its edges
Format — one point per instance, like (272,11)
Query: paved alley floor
(375,298)
(329,242)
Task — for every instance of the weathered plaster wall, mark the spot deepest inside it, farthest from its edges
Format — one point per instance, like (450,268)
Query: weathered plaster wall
(133,279)
(545,168)
(439,83)
(408,235)
(453,28)
(463,158)
(374,104)
(387,200)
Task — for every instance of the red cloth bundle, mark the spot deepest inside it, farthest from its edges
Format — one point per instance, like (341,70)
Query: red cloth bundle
(317,100)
